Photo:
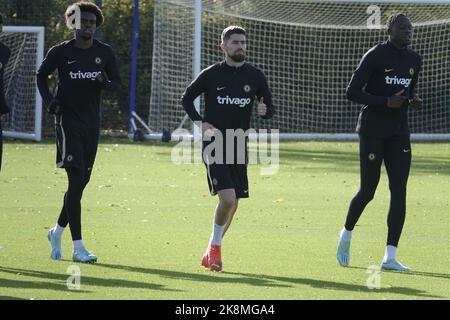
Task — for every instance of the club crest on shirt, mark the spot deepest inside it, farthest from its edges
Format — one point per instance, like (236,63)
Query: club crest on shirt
(69,158)
(411,71)
(372,156)
(98,60)
(1,65)
(247,88)
(215,181)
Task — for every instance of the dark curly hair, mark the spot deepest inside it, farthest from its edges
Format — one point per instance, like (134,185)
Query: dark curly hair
(86,7)
(391,20)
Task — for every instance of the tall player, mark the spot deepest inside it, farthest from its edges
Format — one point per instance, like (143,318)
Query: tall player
(229,88)
(85,68)
(389,73)
(4,57)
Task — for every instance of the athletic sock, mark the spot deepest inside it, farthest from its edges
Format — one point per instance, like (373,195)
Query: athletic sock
(216,237)
(346,235)
(78,245)
(390,254)
(58,230)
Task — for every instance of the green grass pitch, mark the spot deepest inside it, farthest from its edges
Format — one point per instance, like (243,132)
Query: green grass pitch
(149,221)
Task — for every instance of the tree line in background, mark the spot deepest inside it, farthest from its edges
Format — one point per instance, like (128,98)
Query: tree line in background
(116,31)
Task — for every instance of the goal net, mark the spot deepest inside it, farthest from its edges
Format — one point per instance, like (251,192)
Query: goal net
(308,50)
(27,49)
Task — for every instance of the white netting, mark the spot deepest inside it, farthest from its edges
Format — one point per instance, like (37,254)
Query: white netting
(20,82)
(308,50)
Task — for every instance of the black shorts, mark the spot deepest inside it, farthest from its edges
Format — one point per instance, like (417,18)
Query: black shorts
(228,176)
(76,145)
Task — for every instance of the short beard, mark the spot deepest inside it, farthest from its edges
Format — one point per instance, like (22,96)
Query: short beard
(237,58)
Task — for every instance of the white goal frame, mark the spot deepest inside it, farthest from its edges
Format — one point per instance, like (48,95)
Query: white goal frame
(196,59)
(37,134)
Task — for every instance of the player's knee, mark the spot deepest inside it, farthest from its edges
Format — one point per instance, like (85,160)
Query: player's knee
(366,195)
(228,203)
(76,187)
(74,195)
(398,189)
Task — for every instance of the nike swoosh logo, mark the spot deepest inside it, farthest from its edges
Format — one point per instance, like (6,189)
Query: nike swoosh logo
(70,62)
(406,150)
(388,70)
(220,88)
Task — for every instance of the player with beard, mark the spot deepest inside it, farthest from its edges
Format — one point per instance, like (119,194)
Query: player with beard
(229,89)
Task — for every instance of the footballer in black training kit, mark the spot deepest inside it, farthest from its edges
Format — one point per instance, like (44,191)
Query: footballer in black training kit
(85,67)
(230,88)
(384,83)
(5,53)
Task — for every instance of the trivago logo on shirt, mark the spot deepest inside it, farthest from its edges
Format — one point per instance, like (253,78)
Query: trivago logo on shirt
(241,102)
(84,75)
(398,81)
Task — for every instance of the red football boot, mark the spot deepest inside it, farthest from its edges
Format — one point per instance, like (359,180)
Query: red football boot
(212,258)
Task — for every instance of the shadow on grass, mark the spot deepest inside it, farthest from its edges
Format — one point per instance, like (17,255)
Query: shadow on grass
(340,160)
(258,280)
(414,273)
(216,278)
(10,298)
(85,280)
(23,284)
(330,285)
(261,280)
(347,161)
(429,274)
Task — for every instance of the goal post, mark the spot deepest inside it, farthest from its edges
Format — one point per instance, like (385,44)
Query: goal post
(22,95)
(308,50)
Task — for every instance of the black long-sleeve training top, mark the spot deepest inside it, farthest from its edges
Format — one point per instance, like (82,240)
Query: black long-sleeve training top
(5,53)
(384,71)
(78,92)
(229,95)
